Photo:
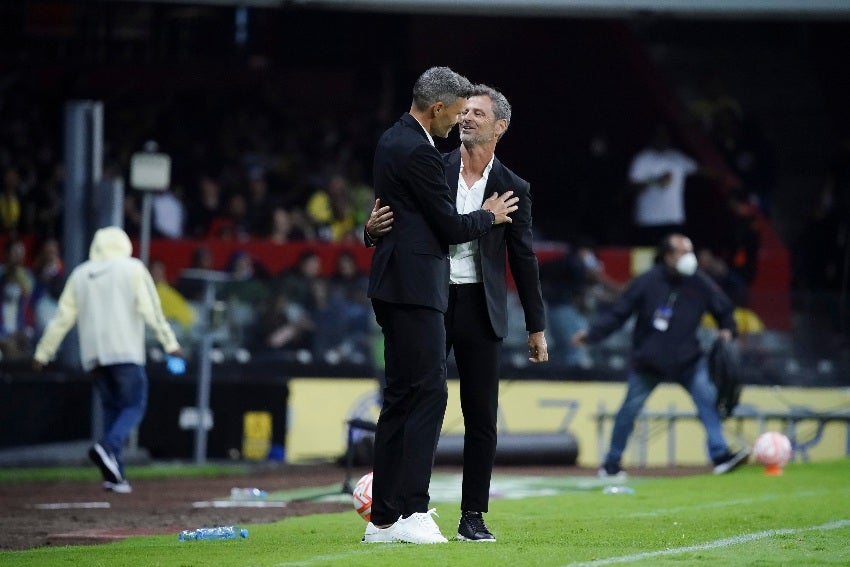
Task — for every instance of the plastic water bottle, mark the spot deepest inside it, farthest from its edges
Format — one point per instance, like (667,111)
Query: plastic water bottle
(247,494)
(618,490)
(220,532)
(175,364)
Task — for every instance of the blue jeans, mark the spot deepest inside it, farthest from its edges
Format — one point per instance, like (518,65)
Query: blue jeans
(702,391)
(123,390)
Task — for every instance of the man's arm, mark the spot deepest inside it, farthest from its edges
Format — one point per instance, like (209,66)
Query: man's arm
(381,217)
(526,274)
(614,318)
(429,189)
(148,305)
(63,320)
(523,263)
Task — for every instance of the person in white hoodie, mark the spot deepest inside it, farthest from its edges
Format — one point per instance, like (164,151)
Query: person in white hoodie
(110,297)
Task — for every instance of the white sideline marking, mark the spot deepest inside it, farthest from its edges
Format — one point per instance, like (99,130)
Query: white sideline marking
(372,548)
(725,542)
(720,504)
(239,504)
(724,503)
(71,505)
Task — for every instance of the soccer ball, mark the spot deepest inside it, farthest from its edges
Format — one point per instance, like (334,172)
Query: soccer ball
(362,497)
(773,450)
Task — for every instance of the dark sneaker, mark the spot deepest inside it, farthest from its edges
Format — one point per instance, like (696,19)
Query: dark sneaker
(472,528)
(612,471)
(731,461)
(107,464)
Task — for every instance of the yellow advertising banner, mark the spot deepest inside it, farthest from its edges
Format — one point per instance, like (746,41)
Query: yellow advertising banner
(816,419)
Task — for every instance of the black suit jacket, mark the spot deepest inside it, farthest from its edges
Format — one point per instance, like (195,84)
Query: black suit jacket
(515,237)
(411,263)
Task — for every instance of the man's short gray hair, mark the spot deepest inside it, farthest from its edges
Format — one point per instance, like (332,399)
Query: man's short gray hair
(501,106)
(439,84)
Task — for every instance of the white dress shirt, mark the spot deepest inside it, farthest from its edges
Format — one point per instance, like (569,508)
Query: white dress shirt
(463,258)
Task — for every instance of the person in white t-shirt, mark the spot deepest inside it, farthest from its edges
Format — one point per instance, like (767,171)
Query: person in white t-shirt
(658,173)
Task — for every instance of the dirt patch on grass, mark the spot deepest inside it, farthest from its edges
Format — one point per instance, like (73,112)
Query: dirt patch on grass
(54,513)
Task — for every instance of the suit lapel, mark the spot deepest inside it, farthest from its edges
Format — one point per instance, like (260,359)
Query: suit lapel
(495,184)
(453,172)
(495,181)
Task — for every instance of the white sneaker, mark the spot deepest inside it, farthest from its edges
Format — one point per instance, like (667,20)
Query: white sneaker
(620,476)
(122,487)
(418,528)
(374,534)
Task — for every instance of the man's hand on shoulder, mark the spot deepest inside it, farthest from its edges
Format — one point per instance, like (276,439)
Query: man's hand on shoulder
(501,206)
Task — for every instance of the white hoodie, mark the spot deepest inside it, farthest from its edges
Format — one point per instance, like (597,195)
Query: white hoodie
(110,298)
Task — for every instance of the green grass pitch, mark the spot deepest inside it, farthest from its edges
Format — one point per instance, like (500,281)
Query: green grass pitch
(741,519)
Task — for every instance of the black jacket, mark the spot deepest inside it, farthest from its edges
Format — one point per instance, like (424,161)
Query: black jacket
(411,263)
(666,353)
(516,238)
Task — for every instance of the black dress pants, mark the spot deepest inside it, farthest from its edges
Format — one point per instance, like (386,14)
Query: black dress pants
(414,404)
(476,348)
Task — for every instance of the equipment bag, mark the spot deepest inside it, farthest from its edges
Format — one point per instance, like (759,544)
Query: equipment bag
(724,367)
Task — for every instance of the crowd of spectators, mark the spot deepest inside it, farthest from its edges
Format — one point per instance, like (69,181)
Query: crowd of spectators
(249,168)
(266,185)
(295,313)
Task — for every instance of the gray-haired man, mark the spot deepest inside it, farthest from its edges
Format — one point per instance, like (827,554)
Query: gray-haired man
(476,319)
(409,287)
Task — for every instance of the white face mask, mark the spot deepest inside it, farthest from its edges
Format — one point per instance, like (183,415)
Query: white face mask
(687,264)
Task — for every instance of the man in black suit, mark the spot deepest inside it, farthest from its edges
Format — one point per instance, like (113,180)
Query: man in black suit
(476,319)
(409,288)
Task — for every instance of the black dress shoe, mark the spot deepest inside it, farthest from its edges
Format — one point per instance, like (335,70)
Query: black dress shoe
(472,528)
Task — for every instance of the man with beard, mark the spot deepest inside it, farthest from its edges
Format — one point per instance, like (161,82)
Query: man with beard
(409,288)
(476,319)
